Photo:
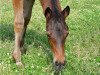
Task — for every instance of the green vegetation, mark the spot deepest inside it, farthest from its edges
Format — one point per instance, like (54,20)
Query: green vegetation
(82,45)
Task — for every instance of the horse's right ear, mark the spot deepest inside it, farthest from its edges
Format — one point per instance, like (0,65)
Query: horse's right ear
(48,12)
(66,12)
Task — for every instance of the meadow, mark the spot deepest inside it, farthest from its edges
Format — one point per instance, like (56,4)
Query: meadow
(82,46)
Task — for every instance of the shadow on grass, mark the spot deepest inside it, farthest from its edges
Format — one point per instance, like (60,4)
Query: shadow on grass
(6,32)
(36,37)
(39,39)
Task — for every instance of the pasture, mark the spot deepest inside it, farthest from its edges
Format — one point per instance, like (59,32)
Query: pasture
(82,46)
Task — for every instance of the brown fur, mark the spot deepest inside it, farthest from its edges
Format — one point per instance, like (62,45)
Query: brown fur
(57,31)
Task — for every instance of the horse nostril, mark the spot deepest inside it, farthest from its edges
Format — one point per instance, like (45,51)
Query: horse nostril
(57,63)
(60,64)
(64,63)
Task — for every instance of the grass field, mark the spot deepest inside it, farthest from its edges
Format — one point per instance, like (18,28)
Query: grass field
(82,46)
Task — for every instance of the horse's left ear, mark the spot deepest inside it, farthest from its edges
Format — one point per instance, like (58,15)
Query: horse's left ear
(48,12)
(66,11)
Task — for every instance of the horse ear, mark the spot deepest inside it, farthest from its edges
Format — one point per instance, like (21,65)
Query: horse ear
(66,11)
(48,12)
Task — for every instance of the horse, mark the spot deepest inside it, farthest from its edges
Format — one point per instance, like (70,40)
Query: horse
(56,27)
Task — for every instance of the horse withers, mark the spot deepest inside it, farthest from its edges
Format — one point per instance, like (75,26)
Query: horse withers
(56,27)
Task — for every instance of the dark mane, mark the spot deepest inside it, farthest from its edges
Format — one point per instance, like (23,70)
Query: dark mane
(55,8)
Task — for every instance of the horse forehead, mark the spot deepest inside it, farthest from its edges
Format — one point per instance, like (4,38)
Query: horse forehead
(57,29)
(57,25)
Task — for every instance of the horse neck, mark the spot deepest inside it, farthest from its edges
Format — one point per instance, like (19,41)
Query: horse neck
(53,4)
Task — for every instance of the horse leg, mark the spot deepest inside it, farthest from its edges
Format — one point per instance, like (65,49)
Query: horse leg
(22,14)
(28,4)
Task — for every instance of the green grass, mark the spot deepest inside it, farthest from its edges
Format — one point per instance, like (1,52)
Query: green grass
(82,46)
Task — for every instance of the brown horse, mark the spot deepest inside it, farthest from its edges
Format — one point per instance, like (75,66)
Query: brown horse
(56,28)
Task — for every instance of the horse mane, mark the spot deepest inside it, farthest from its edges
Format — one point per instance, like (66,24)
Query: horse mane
(55,9)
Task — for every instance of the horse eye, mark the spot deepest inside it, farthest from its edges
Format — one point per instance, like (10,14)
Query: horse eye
(48,35)
(66,33)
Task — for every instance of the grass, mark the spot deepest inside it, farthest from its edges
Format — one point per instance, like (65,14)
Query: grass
(82,46)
